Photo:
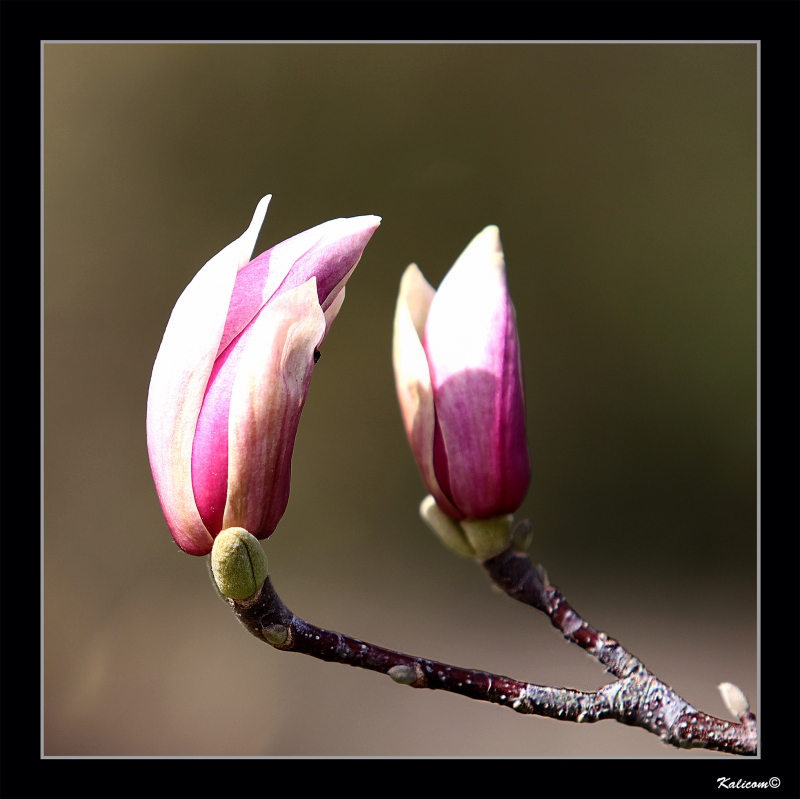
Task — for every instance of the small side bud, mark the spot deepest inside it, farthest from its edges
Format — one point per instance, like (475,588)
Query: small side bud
(734,699)
(238,563)
(447,530)
(488,536)
(522,535)
(276,634)
(404,675)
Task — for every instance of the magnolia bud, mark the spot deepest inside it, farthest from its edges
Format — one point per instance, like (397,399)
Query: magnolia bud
(232,374)
(458,374)
(238,563)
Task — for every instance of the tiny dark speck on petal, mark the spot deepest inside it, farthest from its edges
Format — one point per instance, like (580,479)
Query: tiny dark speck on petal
(317,354)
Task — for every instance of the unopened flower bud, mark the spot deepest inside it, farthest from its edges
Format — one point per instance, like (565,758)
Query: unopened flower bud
(232,374)
(458,374)
(238,563)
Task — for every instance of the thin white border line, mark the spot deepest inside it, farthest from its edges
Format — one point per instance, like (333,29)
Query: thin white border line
(758,393)
(41,397)
(400,41)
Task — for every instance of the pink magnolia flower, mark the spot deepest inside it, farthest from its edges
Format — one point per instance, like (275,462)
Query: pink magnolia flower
(459,382)
(231,377)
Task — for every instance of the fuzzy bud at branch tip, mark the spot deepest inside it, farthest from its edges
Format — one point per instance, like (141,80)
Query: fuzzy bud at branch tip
(734,699)
(238,563)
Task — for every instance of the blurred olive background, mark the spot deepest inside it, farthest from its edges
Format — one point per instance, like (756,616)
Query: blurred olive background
(623,180)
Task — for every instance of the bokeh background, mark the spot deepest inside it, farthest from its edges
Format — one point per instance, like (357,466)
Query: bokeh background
(623,180)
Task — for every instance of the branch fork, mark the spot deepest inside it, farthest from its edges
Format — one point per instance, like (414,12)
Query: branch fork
(636,698)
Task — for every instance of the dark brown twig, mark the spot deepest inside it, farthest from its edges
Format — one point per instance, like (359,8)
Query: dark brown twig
(655,705)
(637,698)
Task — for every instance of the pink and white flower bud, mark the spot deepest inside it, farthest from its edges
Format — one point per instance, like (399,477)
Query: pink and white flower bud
(459,382)
(231,377)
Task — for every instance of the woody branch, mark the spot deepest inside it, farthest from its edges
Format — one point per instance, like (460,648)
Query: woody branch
(637,698)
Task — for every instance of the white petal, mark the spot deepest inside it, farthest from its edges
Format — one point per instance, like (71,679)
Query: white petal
(180,375)
(412,376)
(466,328)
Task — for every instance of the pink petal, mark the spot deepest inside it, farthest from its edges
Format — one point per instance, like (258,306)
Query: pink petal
(269,391)
(180,374)
(329,252)
(210,449)
(480,449)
